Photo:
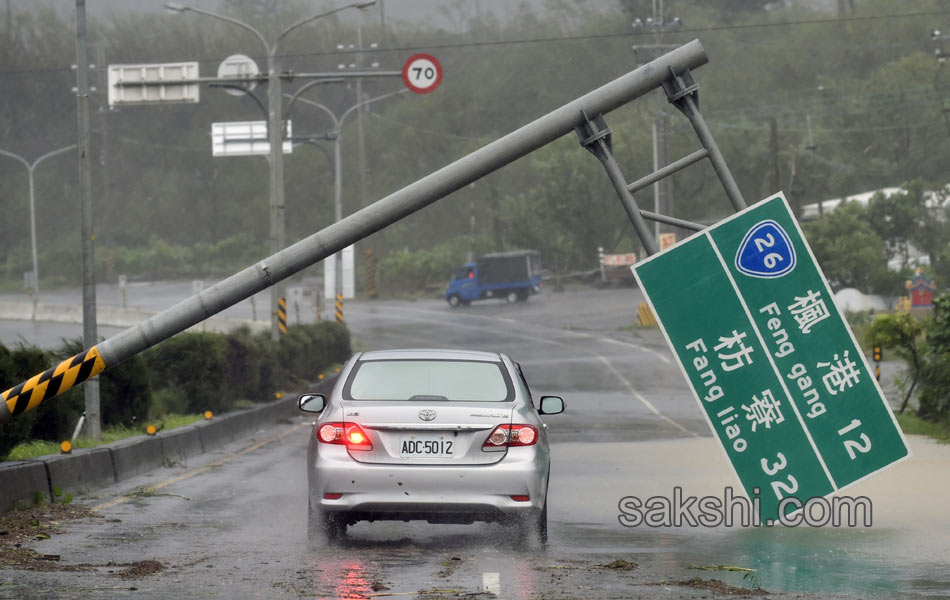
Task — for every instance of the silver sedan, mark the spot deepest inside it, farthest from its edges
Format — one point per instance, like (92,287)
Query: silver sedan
(445,436)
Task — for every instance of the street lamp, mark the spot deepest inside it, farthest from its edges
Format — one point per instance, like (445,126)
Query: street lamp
(274,125)
(336,136)
(30,167)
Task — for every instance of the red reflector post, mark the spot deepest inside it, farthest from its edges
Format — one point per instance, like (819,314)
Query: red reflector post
(521,498)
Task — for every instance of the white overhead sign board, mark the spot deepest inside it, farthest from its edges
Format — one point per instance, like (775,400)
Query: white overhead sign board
(141,84)
(244,138)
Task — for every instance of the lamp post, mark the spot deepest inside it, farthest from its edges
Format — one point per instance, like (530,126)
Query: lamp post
(30,167)
(336,135)
(275,130)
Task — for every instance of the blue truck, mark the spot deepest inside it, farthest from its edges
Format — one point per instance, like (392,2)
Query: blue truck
(513,276)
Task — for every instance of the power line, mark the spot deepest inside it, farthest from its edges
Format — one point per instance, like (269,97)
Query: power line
(647,34)
(569,38)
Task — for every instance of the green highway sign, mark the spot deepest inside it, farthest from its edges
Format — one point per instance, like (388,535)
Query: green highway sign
(770,358)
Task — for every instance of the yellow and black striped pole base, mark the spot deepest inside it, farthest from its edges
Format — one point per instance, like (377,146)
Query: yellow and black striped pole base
(55,380)
(282,315)
(369,273)
(645,316)
(339,307)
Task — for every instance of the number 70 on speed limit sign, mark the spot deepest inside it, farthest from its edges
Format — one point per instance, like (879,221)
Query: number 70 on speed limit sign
(422,73)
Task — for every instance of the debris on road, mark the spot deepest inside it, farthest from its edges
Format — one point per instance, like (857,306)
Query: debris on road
(719,587)
(37,523)
(619,564)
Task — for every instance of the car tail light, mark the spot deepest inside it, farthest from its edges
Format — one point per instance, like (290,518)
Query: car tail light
(521,498)
(506,436)
(349,434)
(332,496)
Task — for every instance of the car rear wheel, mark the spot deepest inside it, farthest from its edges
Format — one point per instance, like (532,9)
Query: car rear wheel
(334,527)
(534,527)
(511,296)
(542,524)
(324,526)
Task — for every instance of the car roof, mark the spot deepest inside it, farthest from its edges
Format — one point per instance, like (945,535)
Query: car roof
(430,354)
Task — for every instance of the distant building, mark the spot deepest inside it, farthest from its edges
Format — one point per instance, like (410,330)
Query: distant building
(810,212)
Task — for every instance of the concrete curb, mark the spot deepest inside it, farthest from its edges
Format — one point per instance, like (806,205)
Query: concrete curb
(178,445)
(215,433)
(136,455)
(81,471)
(87,470)
(22,481)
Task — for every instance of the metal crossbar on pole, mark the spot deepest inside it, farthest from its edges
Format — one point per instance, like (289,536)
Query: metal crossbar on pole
(318,246)
(595,136)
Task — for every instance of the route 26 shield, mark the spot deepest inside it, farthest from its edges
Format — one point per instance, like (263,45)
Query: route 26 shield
(766,251)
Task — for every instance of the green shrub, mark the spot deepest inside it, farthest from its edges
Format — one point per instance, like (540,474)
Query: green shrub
(13,365)
(268,367)
(168,400)
(194,363)
(189,373)
(125,395)
(242,372)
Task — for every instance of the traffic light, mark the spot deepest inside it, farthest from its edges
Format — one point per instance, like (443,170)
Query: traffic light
(878,354)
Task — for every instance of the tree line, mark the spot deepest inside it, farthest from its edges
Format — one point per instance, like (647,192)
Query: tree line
(818,104)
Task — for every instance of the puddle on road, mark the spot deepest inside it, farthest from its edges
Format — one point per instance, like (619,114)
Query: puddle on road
(863,563)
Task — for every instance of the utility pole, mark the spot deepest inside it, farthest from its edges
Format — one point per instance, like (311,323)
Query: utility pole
(658,25)
(103,195)
(363,172)
(359,119)
(336,136)
(773,151)
(89,333)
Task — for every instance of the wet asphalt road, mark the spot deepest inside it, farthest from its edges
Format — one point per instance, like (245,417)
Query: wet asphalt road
(238,529)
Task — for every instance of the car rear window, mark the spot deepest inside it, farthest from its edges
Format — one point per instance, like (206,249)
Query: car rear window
(438,380)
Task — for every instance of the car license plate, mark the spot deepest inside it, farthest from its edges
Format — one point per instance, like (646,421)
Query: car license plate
(425,445)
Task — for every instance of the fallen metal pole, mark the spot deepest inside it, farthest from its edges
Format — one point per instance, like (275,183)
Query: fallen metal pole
(310,250)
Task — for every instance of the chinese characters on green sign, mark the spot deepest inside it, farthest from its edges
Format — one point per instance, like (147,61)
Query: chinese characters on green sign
(770,359)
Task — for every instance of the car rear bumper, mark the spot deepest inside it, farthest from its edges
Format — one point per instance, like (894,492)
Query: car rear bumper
(446,493)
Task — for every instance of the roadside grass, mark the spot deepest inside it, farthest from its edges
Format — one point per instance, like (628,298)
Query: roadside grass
(911,424)
(36,448)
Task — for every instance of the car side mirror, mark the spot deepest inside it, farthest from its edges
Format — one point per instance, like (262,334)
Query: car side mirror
(311,403)
(551,405)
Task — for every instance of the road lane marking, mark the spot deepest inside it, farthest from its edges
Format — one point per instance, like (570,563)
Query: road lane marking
(491,582)
(202,469)
(643,400)
(656,354)
(524,336)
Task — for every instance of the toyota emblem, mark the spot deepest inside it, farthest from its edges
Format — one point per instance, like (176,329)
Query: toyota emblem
(427,414)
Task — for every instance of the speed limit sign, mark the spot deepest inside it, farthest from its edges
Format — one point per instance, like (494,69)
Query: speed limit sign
(422,73)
